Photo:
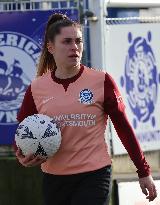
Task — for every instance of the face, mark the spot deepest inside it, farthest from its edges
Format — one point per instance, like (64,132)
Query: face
(67,47)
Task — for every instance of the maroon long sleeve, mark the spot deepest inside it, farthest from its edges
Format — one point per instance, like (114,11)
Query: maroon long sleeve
(28,108)
(114,107)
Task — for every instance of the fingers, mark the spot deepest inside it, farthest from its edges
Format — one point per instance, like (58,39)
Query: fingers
(149,191)
(34,161)
(144,190)
(29,160)
(152,193)
(19,154)
(148,187)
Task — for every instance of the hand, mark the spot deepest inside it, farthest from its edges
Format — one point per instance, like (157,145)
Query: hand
(29,160)
(148,187)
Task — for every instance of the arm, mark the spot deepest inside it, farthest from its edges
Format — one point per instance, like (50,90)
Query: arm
(115,108)
(28,108)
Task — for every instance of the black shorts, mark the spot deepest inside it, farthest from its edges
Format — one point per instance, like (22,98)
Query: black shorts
(89,188)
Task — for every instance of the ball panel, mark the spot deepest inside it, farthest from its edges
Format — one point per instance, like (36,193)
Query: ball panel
(38,134)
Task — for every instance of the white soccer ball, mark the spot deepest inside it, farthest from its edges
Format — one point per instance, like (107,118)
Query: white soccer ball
(38,134)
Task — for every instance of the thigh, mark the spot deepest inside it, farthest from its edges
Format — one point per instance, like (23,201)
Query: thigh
(93,189)
(56,190)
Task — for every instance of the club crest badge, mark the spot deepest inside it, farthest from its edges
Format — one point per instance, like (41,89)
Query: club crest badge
(86,96)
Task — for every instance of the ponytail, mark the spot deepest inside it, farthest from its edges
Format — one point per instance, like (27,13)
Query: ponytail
(46,61)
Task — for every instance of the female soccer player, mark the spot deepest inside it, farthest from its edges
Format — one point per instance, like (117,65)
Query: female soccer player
(81,99)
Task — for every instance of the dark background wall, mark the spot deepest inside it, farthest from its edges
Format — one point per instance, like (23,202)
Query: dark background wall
(19,185)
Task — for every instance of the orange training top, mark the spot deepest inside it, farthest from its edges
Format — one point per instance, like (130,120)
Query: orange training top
(81,105)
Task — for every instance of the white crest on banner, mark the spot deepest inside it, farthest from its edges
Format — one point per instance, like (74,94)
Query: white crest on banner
(18,57)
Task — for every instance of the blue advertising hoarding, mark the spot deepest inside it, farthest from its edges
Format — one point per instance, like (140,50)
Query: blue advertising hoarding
(21,36)
(137,74)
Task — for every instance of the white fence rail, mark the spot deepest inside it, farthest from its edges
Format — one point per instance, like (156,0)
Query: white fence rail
(133,3)
(38,5)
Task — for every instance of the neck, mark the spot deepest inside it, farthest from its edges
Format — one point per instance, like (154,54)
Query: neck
(66,72)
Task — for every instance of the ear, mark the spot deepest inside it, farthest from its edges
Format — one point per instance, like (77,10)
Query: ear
(50,47)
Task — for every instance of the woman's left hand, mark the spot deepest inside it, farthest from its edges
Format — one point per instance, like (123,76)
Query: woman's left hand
(148,187)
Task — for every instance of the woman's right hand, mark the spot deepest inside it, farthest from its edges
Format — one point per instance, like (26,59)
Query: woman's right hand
(29,160)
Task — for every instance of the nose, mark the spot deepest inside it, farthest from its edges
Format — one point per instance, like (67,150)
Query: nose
(74,46)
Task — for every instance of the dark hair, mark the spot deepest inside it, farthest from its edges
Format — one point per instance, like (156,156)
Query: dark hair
(55,23)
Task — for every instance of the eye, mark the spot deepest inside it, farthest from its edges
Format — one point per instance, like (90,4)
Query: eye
(78,40)
(67,41)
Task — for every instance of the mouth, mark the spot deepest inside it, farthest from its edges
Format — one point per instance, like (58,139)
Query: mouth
(73,56)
